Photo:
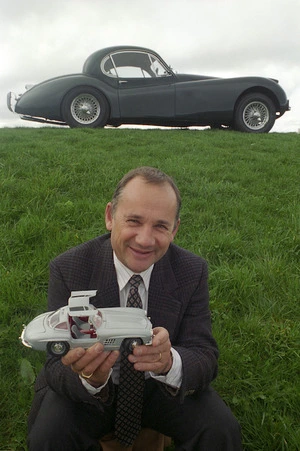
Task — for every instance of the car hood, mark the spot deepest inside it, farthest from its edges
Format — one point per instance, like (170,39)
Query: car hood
(192,77)
(38,323)
(35,329)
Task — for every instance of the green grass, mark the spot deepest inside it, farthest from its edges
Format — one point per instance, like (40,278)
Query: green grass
(240,211)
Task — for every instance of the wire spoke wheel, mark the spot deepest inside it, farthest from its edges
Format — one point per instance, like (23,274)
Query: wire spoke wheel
(85,106)
(85,109)
(256,115)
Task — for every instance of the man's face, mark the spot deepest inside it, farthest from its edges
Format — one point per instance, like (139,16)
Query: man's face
(143,224)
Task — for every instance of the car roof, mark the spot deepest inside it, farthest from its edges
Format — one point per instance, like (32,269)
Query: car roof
(91,65)
(82,311)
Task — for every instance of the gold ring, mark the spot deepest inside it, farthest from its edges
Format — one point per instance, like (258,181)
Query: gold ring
(159,360)
(86,376)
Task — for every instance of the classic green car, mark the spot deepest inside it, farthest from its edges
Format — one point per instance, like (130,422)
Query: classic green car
(80,324)
(133,85)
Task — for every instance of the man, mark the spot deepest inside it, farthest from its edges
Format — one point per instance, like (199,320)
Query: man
(76,396)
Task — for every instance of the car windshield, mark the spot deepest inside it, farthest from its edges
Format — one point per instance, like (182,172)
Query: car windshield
(133,64)
(97,319)
(55,322)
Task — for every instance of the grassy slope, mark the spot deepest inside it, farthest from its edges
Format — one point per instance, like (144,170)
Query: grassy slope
(240,211)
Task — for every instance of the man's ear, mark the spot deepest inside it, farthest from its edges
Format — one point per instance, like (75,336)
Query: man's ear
(108,216)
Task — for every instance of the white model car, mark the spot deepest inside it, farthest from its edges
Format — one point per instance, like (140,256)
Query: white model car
(80,324)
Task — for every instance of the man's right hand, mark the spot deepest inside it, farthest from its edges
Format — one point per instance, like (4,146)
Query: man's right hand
(93,364)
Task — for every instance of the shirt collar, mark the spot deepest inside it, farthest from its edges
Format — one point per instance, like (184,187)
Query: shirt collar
(124,274)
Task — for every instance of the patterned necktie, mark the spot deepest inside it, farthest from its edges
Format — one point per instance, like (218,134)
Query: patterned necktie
(131,385)
(134,299)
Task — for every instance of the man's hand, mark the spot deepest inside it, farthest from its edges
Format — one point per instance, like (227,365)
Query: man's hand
(93,364)
(157,357)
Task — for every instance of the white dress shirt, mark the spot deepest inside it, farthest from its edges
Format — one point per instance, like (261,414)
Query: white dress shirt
(174,376)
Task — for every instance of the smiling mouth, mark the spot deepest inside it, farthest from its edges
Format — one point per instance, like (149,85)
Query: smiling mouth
(140,252)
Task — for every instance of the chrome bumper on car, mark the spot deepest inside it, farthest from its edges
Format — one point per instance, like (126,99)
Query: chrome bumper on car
(284,108)
(25,343)
(11,101)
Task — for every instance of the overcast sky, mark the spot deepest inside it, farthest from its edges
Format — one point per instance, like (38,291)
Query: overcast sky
(41,39)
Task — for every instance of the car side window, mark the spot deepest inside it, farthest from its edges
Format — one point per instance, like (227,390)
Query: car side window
(108,67)
(55,322)
(133,64)
(157,67)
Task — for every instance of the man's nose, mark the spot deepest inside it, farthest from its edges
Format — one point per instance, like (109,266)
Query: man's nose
(145,237)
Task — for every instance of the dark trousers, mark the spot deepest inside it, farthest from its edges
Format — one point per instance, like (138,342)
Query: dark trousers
(201,423)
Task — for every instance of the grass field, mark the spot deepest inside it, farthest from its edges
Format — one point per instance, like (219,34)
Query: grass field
(240,212)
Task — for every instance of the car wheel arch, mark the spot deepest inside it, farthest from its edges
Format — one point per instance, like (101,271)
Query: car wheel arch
(255,111)
(257,90)
(58,347)
(82,88)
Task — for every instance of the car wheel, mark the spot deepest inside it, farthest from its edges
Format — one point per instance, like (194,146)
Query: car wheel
(132,342)
(85,107)
(255,113)
(58,348)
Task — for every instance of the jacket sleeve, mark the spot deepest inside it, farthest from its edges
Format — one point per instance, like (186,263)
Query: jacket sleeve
(194,340)
(183,309)
(65,382)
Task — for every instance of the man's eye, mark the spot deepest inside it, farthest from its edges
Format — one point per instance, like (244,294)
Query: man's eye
(162,226)
(133,221)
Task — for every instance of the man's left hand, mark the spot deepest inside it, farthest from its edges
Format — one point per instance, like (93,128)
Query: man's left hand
(156,357)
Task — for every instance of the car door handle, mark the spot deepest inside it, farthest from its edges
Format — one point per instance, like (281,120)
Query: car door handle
(122,81)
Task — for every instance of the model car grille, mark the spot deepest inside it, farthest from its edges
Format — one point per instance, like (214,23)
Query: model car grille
(109,341)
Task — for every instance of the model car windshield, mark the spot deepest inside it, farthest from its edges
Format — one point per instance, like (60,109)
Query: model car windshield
(97,319)
(133,65)
(55,322)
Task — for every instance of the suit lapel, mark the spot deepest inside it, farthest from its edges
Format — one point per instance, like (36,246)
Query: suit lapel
(104,278)
(163,306)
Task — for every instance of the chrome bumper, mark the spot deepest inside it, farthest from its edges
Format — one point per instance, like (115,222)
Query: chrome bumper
(25,343)
(11,100)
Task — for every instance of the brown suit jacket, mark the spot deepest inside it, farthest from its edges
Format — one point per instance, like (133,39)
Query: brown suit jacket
(178,300)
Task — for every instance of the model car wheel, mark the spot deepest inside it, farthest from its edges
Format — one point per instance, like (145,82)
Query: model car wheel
(58,348)
(85,107)
(255,113)
(133,342)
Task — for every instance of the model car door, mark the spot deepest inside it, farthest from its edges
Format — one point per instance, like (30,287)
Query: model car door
(145,86)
